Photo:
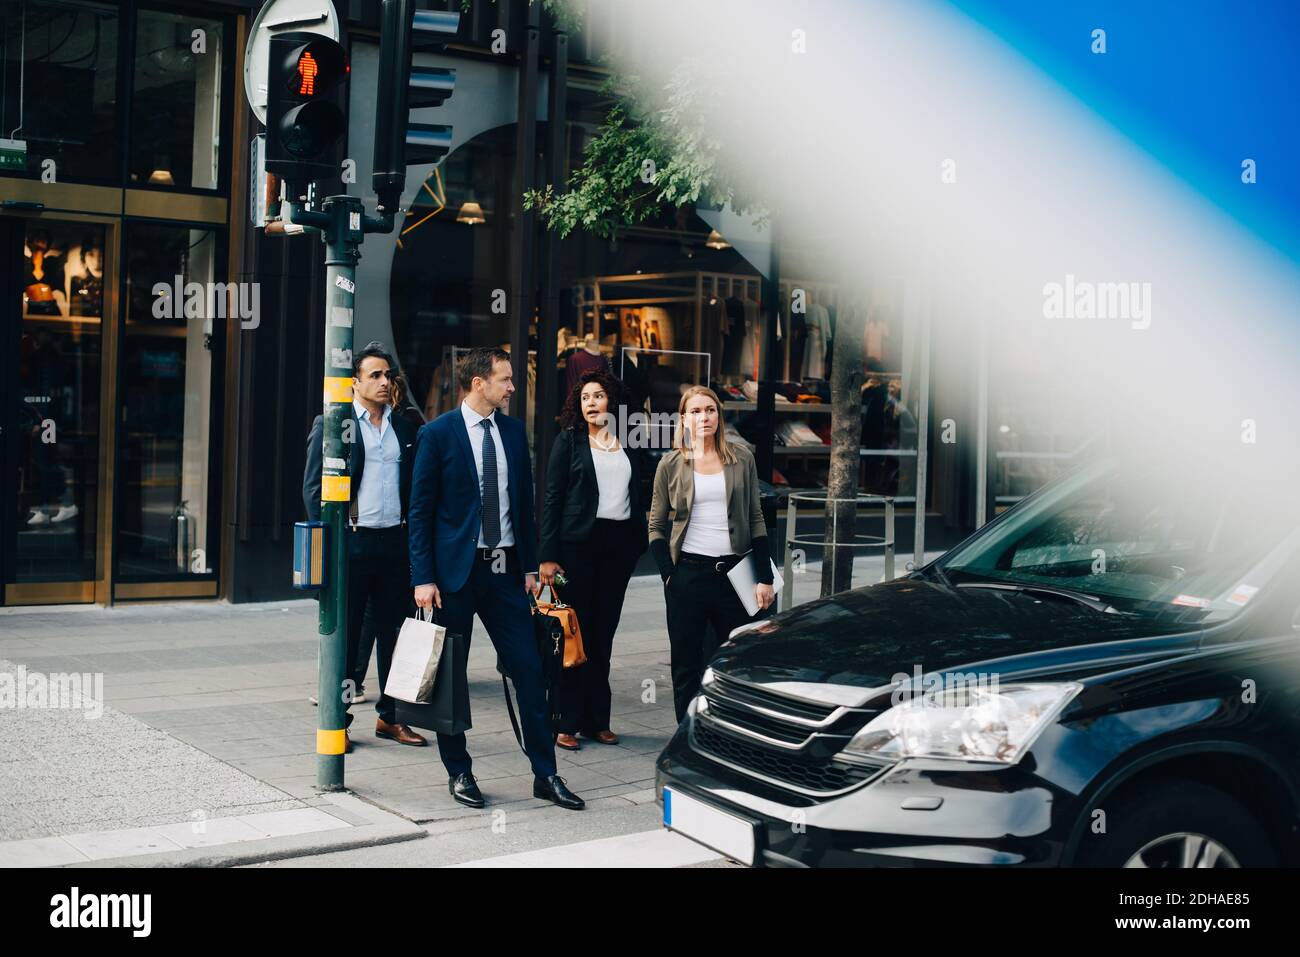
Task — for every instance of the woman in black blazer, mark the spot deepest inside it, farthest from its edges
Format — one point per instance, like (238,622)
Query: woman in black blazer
(593,531)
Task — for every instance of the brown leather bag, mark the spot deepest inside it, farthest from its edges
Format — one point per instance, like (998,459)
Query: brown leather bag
(568,618)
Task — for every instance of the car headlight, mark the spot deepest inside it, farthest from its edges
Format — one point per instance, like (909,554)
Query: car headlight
(967,724)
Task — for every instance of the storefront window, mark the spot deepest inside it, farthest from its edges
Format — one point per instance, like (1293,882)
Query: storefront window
(164,516)
(451,279)
(176,101)
(1039,429)
(59,117)
(58,366)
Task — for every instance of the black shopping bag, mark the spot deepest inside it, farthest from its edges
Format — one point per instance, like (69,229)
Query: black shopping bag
(448,711)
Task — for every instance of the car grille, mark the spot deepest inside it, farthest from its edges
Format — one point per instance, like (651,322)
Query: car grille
(787,742)
(754,695)
(758,723)
(803,775)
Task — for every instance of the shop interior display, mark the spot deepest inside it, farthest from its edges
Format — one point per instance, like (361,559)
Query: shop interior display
(677,325)
(63,297)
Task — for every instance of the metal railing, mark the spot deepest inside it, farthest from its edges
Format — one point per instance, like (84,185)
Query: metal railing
(860,540)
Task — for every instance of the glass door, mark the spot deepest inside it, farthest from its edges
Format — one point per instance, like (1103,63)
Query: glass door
(168,421)
(52,316)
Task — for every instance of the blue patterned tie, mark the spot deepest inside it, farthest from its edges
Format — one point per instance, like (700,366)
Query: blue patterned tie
(491,490)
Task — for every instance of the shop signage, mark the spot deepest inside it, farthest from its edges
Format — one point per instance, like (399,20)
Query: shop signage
(13,154)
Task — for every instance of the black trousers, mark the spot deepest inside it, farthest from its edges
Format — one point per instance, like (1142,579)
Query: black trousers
(379,575)
(496,595)
(598,571)
(699,595)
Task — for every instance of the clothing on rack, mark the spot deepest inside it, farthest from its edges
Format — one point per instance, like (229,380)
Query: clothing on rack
(796,432)
(798,341)
(734,338)
(579,364)
(874,339)
(749,351)
(818,345)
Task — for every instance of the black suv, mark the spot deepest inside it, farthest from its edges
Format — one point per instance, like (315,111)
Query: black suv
(1108,674)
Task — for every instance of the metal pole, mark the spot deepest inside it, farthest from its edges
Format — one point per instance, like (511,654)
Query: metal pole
(787,596)
(835,537)
(343,223)
(522,267)
(337,431)
(889,539)
(546,401)
(982,428)
(922,439)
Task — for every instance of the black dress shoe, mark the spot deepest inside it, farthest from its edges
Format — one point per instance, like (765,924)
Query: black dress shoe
(552,789)
(464,789)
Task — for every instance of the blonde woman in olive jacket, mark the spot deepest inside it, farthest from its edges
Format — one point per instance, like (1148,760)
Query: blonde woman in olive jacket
(711,488)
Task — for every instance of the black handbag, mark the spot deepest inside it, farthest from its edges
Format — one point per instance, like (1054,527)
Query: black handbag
(548,632)
(448,711)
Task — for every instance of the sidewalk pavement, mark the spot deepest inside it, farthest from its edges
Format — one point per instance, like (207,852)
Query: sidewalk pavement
(205,710)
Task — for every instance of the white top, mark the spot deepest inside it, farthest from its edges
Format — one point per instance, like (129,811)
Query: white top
(613,477)
(707,531)
(379,499)
(472,420)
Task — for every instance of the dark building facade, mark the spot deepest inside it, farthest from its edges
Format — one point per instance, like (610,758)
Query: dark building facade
(154,452)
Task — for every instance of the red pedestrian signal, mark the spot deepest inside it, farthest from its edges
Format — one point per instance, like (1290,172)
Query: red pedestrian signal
(307,70)
(306,111)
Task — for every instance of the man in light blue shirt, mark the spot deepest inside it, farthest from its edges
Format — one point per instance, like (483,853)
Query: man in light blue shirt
(379,467)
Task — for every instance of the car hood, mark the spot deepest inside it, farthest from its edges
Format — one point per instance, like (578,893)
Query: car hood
(866,637)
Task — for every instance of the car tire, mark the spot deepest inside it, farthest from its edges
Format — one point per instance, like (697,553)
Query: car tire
(1165,823)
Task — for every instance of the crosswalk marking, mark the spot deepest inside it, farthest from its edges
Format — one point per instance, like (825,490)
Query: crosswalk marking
(657,848)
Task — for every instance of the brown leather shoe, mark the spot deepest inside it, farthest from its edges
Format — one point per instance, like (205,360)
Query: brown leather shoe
(567,741)
(398,732)
(604,737)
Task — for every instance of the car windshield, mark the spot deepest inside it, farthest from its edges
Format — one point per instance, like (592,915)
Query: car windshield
(1145,538)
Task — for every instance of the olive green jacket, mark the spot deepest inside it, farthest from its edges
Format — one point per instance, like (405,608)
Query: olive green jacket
(674,491)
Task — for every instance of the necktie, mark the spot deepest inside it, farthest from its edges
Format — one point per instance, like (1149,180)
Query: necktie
(491,489)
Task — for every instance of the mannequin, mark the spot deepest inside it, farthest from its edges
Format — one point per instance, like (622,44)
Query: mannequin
(586,359)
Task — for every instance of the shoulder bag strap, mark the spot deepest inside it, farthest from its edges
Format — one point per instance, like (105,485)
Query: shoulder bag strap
(510,709)
(505,686)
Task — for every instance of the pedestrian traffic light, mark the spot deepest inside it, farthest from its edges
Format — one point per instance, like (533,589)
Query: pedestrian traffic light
(305,109)
(399,143)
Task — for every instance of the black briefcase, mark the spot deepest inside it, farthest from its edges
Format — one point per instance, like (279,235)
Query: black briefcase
(548,632)
(448,711)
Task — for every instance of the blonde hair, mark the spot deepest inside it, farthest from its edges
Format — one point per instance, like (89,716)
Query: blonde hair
(725,451)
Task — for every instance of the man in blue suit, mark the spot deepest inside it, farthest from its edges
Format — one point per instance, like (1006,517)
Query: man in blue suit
(474,551)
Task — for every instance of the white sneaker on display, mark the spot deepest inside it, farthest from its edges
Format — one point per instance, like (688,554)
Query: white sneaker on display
(64,513)
(39,517)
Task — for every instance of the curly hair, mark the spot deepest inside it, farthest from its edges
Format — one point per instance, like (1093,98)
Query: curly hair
(571,416)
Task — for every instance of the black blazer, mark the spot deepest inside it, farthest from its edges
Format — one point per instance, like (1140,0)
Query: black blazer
(402,428)
(572,494)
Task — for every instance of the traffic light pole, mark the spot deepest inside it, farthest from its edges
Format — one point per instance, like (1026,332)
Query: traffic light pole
(343,223)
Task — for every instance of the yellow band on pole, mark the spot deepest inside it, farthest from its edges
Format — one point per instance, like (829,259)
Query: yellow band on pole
(335,488)
(331,742)
(338,388)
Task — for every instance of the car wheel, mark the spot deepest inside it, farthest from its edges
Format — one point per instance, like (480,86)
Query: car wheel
(1175,824)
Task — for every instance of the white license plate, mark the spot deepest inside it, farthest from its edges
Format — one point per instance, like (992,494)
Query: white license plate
(713,828)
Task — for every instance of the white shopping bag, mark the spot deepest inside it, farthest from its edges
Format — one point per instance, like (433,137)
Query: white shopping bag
(415,659)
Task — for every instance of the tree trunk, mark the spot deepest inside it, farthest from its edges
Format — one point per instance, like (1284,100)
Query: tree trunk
(847,368)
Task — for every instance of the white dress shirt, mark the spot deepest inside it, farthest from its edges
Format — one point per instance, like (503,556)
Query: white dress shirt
(379,499)
(472,420)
